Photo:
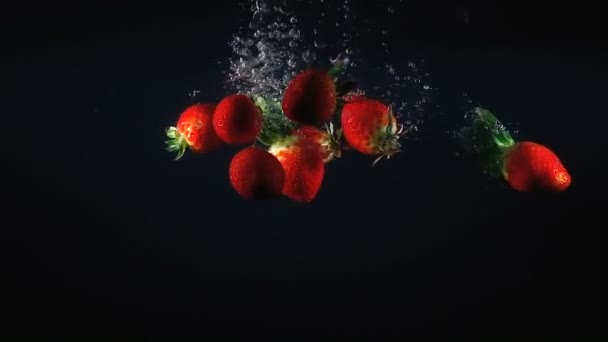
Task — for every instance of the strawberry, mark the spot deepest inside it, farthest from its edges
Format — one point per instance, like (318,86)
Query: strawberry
(302,161)
(194,130)
(327,140)
(310,97)
(529,166)
(237,119)
(256,174)
(370,127)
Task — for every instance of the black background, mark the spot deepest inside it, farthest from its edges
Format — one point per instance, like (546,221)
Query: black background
(105,235)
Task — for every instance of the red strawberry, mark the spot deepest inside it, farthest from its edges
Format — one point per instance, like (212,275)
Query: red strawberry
(256,174)
(310,97)
(529,166)
(237,120)
(370,127)
(303,164)
(327,140)
(194,130)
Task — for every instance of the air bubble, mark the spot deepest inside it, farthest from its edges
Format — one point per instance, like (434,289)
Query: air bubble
(294,33)
(274,47)
(306,56)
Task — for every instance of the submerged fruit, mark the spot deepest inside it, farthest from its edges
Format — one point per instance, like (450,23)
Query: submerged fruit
(237,119)
(256,174)
(194,130)
(310,97)
(370,127)
(529,166)
(302,161)
(326,139)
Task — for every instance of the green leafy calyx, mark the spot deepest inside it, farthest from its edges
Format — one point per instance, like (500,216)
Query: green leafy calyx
(177,142)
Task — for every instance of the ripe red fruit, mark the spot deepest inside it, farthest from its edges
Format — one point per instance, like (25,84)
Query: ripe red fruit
(302,161)
(256,174)
(310,97)
(237,120)
(194,130)
(530,166)
(370,127)
(327,140)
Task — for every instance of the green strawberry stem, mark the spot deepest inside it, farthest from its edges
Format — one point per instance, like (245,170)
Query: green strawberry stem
(260,101)
(176,143)
(501,137)
(342,87)
(275,123)
(335,69)
(491,140)
(267,137)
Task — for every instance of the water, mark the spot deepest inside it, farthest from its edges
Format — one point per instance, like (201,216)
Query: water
(281,38)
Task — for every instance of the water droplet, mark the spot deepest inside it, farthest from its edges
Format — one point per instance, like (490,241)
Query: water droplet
(306,56)
(294,33)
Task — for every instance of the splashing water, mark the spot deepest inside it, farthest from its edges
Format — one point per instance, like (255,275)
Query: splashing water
(284,37)
(268,51)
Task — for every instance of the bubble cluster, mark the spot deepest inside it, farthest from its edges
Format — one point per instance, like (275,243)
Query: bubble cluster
(407,89)
(268,51)
(282,38)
